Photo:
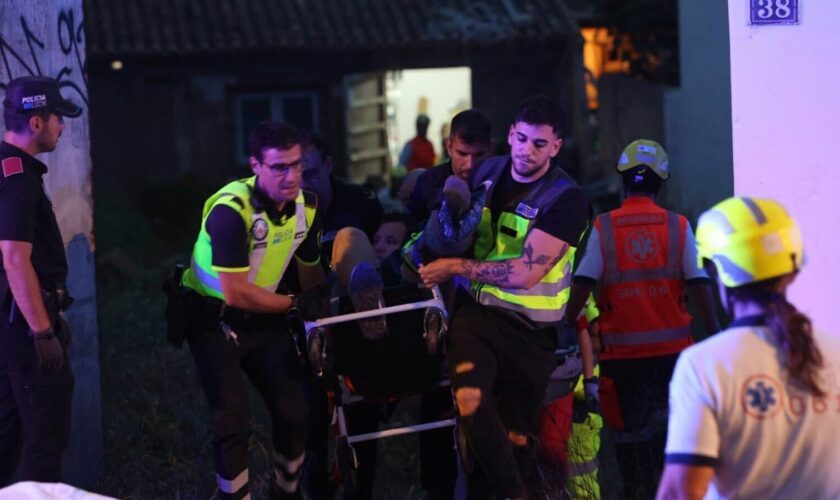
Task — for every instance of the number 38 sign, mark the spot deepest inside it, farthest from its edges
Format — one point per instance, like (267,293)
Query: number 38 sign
(774,12)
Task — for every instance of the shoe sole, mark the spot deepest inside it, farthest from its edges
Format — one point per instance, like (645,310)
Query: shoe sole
(366,294)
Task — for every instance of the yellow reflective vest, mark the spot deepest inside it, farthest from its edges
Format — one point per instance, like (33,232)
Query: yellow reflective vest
(270,245)
(545,303)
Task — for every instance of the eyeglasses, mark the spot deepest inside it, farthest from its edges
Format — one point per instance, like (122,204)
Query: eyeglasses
(284,168)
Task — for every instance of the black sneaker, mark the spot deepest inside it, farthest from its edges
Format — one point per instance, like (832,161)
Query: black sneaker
(365,289)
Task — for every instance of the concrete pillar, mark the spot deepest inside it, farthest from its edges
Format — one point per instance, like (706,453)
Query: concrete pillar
(45,37)
(785,107)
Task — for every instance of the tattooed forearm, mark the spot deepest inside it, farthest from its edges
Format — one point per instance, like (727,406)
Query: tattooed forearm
(530,260)
(493,273)
(557,259)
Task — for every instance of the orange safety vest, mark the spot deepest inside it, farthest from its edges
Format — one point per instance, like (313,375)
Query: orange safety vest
(642,299)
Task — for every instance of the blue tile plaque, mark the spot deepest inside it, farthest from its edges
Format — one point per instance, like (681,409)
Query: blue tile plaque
(764,12)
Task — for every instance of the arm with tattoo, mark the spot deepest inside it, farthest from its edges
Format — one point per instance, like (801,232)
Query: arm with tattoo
(540,254)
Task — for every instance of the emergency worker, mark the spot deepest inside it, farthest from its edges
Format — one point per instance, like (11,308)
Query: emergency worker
(505,330)
(250,230)
(468,144)
(341,205)
(36,384)
(754,409)
(644,257)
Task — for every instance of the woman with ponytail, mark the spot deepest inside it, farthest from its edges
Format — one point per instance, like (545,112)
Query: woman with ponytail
(754,410)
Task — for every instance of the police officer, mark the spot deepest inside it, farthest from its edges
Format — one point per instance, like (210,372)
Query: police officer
(645,258)
(250,230)
(36,384)
(504,333)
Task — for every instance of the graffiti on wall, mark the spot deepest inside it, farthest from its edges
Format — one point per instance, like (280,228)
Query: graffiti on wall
(27,60)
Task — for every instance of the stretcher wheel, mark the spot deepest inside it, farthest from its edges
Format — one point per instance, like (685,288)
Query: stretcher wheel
(347,464)
(316,350)
(433,328)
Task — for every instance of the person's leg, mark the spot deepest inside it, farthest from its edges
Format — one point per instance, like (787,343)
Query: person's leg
(273,367)
(555,427)
(315,478)
(362,418)
(350,247)
(356,268)
(527,362)
(43,402)
(473,368)
(10,427)
(217,365)
(438,470)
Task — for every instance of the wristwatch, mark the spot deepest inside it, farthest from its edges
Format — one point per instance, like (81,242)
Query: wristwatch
(45,334)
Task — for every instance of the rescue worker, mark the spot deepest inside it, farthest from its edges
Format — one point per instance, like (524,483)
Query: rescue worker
(754,410)
(36,383)
(468,144)
(644,257)
(505,330)
(342,206)
(250,230)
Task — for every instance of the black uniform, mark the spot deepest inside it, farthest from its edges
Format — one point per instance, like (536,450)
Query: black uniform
(34,404)
(428,192)
(352,206)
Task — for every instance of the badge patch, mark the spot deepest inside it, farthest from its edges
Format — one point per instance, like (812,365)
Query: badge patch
(641,246)
(526,211)
(12,166)
(259,230)
(761,397)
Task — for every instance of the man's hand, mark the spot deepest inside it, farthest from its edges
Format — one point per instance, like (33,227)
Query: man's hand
(49,350)
(438,271)
(311,304)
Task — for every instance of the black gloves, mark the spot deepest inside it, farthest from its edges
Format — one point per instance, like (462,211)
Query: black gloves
(311,304)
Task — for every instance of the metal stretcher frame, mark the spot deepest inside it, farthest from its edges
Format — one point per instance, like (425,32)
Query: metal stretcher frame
(436,302)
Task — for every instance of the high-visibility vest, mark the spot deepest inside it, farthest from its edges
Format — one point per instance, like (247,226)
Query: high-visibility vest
(584,444)
(545,303)
(642,298)
(270,245)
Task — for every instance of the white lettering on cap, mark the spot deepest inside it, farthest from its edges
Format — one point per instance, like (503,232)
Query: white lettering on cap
(644,148)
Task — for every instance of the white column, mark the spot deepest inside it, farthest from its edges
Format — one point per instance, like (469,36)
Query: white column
(786,135)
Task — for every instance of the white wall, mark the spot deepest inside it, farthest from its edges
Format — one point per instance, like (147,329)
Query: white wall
(785,112)
(698,130)
(446,89)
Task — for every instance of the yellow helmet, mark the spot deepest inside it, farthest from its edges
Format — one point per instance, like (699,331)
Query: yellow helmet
(749,240)
(644,152)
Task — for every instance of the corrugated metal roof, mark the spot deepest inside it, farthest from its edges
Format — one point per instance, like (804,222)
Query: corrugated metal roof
(162,28)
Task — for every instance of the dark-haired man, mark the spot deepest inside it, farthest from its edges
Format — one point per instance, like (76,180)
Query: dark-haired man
(504,333)
(36,384)
(468,144)
(250,230)
(644,256)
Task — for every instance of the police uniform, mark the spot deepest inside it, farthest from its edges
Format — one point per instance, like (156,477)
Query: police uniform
(509,335)
(241,231)
(34,404)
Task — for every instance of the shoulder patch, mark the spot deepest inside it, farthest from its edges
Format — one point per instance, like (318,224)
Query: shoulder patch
(12,166)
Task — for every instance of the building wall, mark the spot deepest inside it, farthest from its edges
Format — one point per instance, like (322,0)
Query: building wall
(698,126)
(785,106)
(45,37)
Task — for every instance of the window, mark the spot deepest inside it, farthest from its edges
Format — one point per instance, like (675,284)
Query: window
(299,109)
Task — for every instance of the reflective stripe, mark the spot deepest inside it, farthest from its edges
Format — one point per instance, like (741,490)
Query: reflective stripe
(611,274)
(553,312)
(717,218)
(232,486)
(645,434)
(674,261)
(579,469)
(206,279)
(641,338)
(756,211)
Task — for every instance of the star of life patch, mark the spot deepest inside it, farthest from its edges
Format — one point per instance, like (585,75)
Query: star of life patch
(12,166)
